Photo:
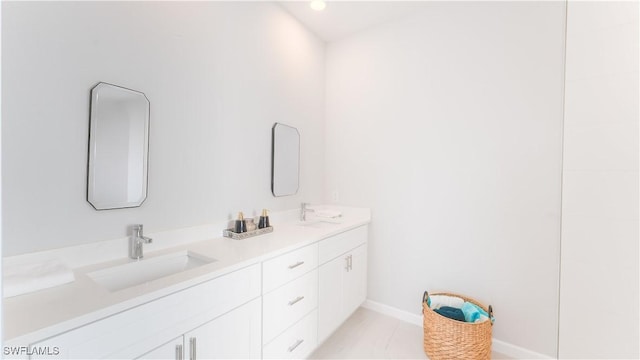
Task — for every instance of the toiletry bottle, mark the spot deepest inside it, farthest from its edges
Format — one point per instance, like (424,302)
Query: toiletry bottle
(264,220)
(251,225)
(241,225)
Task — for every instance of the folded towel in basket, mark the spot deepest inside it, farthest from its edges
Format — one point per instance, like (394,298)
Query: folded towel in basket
(451,313)
(437,301)
(474,313)
(22,279)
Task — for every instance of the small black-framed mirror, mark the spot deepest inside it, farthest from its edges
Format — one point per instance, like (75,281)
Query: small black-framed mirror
(285,160)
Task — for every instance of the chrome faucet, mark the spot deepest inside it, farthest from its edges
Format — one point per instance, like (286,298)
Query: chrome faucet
(304,210)
(136,241)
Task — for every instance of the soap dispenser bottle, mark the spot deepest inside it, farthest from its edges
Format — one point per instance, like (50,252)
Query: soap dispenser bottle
(264,220)
(240,225)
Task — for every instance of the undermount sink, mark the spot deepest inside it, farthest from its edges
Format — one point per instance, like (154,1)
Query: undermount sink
(319,224)
(123,276)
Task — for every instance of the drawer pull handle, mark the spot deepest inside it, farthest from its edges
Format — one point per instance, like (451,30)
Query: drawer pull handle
(299,298)
(179,352)
(296,265)
(294,346)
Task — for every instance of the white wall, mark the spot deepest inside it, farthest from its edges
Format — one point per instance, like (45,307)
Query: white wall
(448,125)
(218,76)
(1,177)
(599,276)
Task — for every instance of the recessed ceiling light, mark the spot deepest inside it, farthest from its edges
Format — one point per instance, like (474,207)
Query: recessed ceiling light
(318,5)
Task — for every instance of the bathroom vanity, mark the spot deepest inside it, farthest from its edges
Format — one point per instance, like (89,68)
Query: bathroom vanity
(273,296)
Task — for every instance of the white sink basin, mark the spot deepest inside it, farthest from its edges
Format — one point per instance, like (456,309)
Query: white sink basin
(146,270)
(319,224)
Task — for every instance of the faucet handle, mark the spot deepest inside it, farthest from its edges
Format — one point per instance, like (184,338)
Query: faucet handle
(137,229)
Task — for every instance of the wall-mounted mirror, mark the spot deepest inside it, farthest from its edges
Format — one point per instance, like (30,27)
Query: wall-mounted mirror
(118,147)
(285,160)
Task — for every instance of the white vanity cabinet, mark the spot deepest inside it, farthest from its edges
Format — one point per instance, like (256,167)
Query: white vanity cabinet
(220,306)
(342,278)
(289,303)
(278,307)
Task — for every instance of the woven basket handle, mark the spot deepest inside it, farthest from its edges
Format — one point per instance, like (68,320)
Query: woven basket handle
(425,296)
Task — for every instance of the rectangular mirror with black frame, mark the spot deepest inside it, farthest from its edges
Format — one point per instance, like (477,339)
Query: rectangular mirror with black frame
(118,147)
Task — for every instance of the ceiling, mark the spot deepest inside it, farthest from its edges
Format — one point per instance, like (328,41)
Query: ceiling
(343,18)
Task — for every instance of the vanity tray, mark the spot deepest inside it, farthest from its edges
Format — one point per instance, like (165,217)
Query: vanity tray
(241,236)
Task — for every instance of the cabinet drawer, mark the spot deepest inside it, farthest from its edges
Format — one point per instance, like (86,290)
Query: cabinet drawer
(337,245)
(297,342)
(284,268)
(283,307)
(135,331)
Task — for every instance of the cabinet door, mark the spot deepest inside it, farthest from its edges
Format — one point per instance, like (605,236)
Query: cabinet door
(330,307)
(354,291)
(235,335)
(174,349)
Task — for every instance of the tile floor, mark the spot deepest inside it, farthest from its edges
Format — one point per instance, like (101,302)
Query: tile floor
(370,335)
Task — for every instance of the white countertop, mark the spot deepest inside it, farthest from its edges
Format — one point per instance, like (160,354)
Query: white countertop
(41,314)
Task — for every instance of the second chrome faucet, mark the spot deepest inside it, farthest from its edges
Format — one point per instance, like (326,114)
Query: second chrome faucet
(304,209)
(136,242)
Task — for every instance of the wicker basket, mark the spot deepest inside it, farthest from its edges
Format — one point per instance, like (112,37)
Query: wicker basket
(446,339)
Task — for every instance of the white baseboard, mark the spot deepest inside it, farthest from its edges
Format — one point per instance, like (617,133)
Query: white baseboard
(515,351)
(406,316)
(499,346)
